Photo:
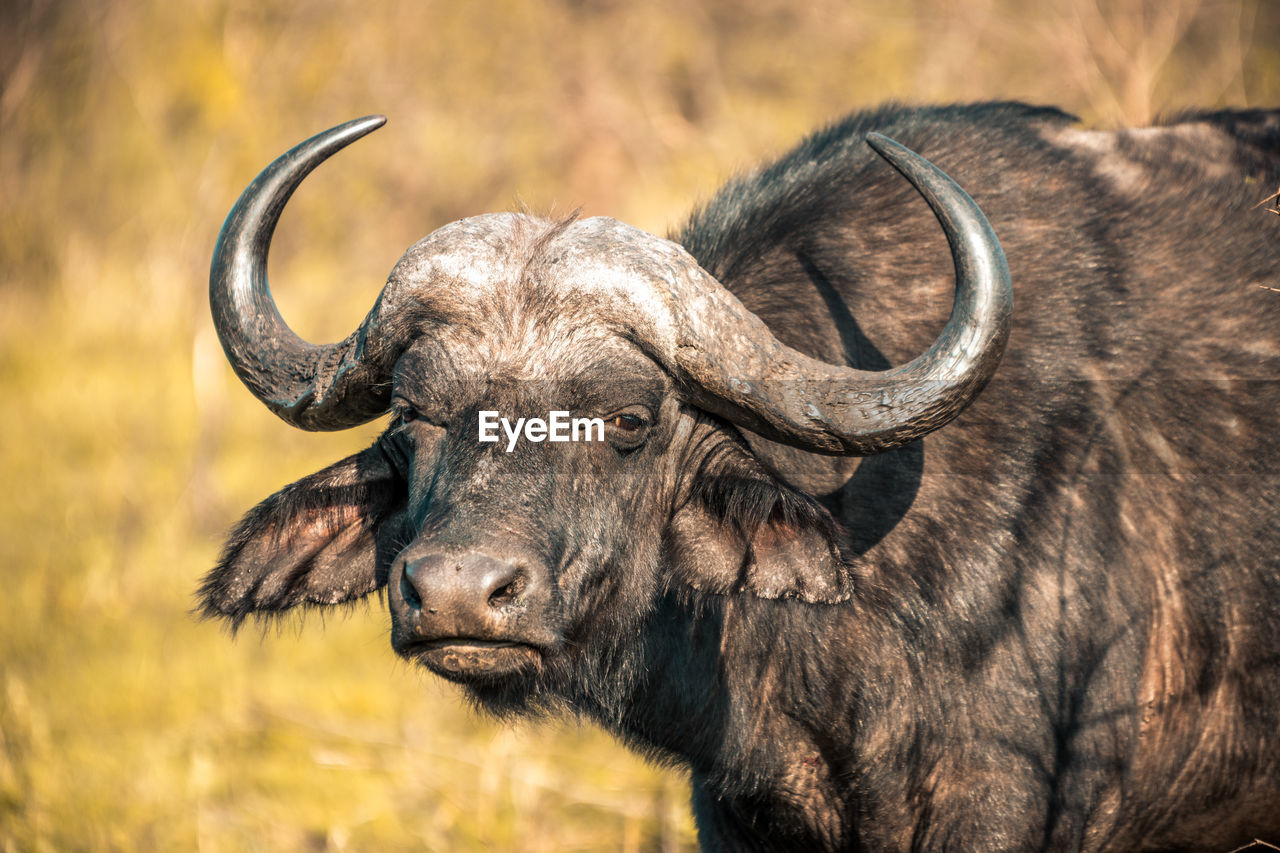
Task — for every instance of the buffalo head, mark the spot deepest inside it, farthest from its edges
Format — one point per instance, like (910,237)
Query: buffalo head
(504,562)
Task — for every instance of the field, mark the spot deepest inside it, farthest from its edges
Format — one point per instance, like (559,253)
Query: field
(127,129)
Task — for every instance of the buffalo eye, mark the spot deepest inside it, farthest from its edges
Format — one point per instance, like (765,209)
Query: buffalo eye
(409,424)
(627,423)
(403,413)
(627,429)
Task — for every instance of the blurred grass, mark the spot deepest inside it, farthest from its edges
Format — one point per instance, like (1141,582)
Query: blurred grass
(127,130)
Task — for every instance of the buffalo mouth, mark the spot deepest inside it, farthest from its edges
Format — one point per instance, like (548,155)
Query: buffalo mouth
(465,659)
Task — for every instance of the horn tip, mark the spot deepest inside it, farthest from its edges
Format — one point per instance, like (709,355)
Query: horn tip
(360,126)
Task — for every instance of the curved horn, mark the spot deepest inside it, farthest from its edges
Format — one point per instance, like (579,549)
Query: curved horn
(739,370)
(314,387)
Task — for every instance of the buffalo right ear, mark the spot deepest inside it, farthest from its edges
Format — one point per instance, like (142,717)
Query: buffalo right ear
(326,539)
(743,530)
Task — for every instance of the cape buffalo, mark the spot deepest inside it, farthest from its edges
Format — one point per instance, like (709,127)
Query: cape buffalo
(1053,624)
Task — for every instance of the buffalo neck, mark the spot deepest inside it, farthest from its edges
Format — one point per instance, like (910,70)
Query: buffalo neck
(743,691)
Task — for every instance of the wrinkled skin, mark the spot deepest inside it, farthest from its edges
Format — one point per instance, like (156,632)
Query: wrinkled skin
(557,511)
(1054,624)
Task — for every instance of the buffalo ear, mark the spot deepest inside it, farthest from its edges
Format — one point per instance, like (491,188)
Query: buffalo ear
(741,529)
(325,539)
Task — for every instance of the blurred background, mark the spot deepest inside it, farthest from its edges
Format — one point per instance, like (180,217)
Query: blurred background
(128,128)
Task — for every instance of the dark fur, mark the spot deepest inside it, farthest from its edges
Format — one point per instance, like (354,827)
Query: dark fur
(1053,624)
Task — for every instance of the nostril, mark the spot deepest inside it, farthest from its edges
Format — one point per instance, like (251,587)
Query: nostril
(509,592)
(407,589)
(478,585)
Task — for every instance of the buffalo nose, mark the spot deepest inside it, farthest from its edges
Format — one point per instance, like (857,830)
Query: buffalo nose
(460,584)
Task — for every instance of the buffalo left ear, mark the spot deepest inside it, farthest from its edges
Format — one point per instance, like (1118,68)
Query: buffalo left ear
(742,530)
(326,539)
